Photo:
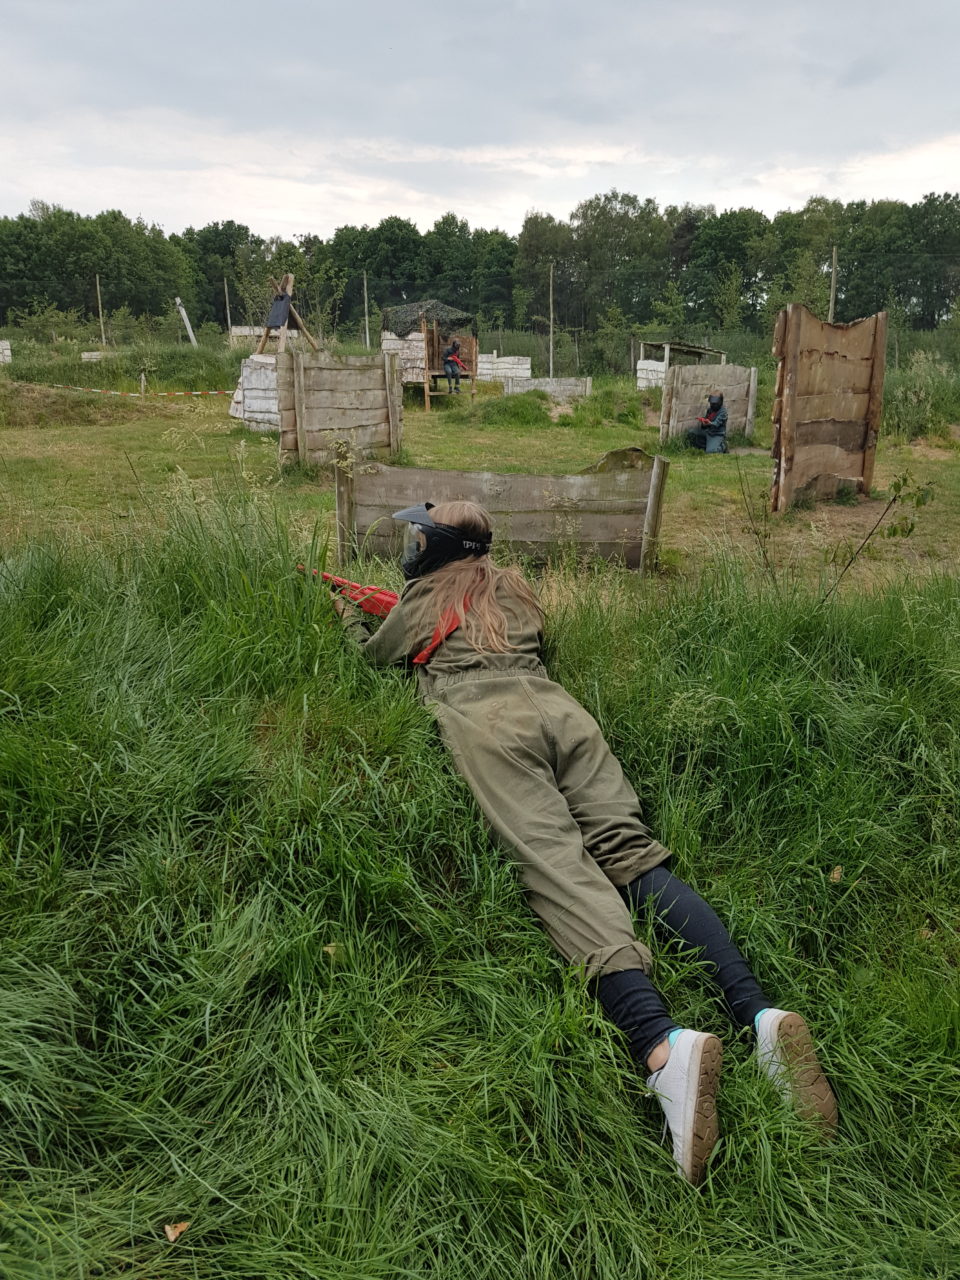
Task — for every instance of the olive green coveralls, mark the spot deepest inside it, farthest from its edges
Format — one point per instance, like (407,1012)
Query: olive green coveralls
(541,771)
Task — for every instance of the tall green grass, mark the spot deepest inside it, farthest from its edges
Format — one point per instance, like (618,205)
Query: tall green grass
(263,970)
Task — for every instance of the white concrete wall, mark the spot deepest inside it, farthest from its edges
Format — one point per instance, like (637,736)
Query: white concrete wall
(6,356)
(494,368)
(650,373)
(557,388)
(410,351)
(255,400)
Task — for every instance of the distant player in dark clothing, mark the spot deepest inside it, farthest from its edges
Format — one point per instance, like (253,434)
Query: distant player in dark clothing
(711,435)
(452,365)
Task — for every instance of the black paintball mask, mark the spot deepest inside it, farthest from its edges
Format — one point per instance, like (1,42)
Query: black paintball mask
(428,545)
(715,402)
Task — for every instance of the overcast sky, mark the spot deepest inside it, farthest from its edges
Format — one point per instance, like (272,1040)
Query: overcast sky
(302,116)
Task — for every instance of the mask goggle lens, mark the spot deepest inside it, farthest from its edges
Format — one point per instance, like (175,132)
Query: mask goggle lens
(412,541)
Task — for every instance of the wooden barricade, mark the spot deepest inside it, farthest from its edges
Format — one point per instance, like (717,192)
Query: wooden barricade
(829,398)
(612,510)
(685,391)
(330,403)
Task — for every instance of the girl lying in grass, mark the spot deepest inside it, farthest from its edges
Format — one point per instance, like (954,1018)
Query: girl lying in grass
(554,793)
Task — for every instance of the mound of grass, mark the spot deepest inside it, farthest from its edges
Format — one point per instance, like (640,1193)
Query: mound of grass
(264,972)
(168,367)
(23,405)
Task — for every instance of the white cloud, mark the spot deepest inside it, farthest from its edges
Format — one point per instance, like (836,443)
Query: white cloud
(178,170)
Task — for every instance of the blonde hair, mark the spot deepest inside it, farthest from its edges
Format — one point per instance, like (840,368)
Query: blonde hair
(484,623)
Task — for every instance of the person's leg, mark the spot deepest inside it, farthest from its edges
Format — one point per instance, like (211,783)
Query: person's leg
(448,370)
(680,912)
(697,438)
(634,1005)
(784,1044)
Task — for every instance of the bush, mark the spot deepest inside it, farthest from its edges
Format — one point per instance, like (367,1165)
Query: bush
(922,399)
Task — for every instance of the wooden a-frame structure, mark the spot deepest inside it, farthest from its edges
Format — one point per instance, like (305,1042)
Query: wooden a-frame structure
(281,313)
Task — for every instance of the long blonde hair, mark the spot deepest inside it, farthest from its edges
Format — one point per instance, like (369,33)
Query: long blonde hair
(483,624)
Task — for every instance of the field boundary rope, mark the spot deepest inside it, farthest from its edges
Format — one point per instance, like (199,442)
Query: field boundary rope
(104,391)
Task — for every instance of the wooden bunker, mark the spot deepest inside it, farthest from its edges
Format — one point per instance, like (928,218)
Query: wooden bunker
(611,510)
(685,397)
(322,404)
(829,397)
(418,332)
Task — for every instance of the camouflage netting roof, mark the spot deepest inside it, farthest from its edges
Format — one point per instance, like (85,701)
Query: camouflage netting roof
(406,318)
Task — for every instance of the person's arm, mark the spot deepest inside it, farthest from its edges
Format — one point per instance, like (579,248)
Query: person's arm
(394,641)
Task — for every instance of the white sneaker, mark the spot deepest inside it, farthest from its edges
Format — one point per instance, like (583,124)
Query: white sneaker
(686,1088)
(785,1052)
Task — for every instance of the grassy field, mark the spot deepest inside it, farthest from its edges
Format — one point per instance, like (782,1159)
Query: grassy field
(264,972)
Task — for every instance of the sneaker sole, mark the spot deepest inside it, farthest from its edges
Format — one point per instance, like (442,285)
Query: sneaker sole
(706,1127)
(810,1088)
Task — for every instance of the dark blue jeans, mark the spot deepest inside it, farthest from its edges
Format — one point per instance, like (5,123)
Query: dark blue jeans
(453,373)
(632,1002)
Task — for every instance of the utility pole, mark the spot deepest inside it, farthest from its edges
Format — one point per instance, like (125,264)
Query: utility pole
(226,301)
(366,311)
(551,319)
(833,287)
(186,321)
(103,336)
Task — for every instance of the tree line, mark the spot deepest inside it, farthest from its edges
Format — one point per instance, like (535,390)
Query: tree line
(617,260)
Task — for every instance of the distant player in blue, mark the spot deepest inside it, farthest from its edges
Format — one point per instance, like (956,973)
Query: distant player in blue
(711,435)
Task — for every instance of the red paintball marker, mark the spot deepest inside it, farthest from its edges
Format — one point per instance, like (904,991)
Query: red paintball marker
(375,600)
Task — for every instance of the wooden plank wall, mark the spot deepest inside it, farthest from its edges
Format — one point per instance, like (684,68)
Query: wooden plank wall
(828,400)
(685,394)
(328,404)
(614,513)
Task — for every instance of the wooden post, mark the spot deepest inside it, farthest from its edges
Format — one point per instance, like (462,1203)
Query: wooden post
(641,350)
(666,358)
(833,287)
(186,321)
(299,404)
(226,303)
(426,363)
(143,385)
(751,404)
(551,319)
(346,510)
(633,363)
(782,491)
(874,403)
(366,311)
(391,374)
(103,335)
(651,520)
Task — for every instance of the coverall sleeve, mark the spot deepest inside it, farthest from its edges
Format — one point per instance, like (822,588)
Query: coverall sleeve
(394,641)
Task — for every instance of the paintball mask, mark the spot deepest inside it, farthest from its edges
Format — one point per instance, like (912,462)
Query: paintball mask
(428,545)
(715,402)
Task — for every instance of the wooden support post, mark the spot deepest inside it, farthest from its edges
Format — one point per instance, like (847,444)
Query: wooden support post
(391,374)
(874,403)
(666,358)
(103,334)
(641,350)
(426,363)
(551,319)
(650,540)
(346,508)
(299,405)
(226,304)
(366,311)
(186,321)
(782,492)
(751,404)
(143,385)
(833,287)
